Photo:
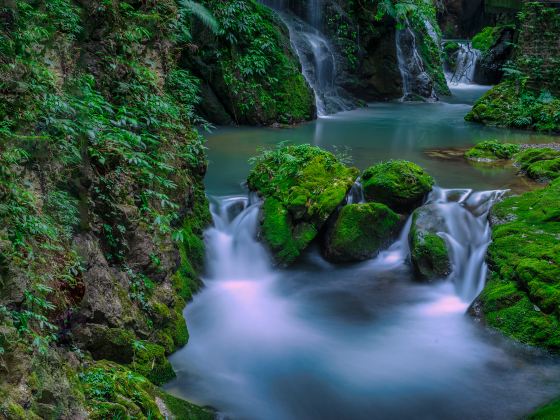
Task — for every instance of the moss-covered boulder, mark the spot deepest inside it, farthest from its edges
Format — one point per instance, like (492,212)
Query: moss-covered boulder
(428,250)
(301,187)
(522,297)
(112,391)
(360,232)
(400,184)
(540,164)
(492,150)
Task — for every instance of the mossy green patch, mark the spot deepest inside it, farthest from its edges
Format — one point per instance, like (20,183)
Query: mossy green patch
(428,251)
(150,361)
(182,409)
(491,150)
(549,411)
(510,105)
(302,186)
(522,299)
(112,391)
(540,164)
(400,184)
(360,231)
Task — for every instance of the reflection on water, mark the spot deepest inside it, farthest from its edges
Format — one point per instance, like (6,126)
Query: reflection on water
(356,341)
(380,132)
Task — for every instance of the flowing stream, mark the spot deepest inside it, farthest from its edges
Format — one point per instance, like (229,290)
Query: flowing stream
(416,82)
(316,55)
(466,59)
(357,341)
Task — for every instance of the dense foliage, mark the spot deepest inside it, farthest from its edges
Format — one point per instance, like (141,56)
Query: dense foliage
(528,97)
(97,156)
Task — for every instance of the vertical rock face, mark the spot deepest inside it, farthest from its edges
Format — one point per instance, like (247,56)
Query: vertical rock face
(461,18)
(489,69)
(417,83)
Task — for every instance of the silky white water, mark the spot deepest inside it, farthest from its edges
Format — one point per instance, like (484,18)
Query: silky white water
(466,59)
(359,341)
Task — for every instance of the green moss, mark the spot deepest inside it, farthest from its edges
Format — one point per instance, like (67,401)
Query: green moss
(429,255)
(302,186)
(491,150)
(260,75)
(150,362)
(400,184)
(360,231)
(485,39)
(508,105)
(112,391)
(549,411)
(523,297)
(182,409)
(541,164)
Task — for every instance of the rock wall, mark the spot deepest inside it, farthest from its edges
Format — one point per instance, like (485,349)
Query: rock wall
(102,207)
(249,73)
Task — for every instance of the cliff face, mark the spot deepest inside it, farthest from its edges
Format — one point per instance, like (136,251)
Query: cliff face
(101,204)
(249,72)
(528,96)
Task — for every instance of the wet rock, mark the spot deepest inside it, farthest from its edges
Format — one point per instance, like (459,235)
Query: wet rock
(360,232)
(489,69)
(302,186)
(399,184)
(429,251)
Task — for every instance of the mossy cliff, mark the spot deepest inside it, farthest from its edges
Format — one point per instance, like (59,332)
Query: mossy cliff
(102,204)
(528,97)
(522,296)
(364,33)
(301,187)
(250,74)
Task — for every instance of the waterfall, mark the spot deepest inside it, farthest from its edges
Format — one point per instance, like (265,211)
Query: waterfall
(417,83)
(315,13)
(232,247)
(356,193)
(466,59)
(467,233)
(317,56)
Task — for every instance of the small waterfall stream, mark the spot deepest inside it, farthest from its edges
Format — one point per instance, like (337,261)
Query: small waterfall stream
(330,342)
(316,54)
(466,59)
(416,82)
(467,232)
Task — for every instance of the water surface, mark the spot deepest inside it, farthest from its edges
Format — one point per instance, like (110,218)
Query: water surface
(356,341)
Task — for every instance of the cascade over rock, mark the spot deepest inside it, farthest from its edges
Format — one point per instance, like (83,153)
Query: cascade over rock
(417,83)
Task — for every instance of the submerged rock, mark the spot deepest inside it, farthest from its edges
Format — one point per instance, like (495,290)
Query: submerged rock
(492,150)
(360,232)
(400,184)
(301,186)
(429,251)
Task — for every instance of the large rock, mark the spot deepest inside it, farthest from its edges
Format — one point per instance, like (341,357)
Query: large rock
(301,186)
(429,251)
(400,184)
(489,69)
(360,232)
